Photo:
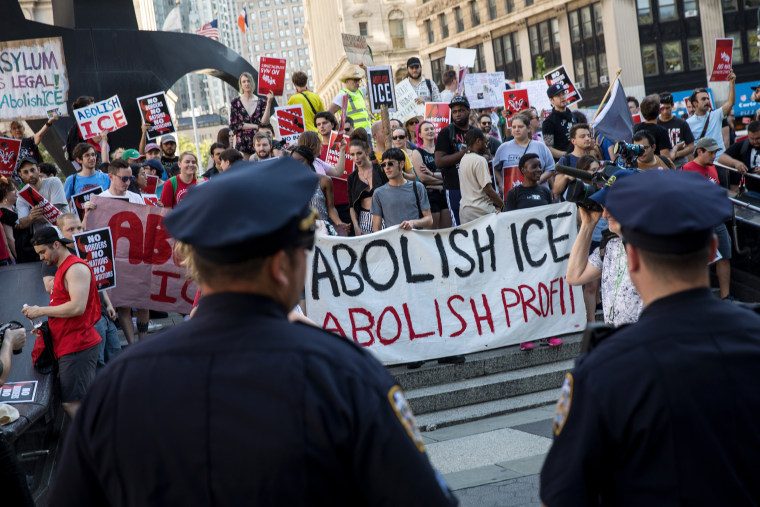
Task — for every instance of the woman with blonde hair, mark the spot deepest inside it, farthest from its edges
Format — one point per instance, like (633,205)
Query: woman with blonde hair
(247,112)
(176,187)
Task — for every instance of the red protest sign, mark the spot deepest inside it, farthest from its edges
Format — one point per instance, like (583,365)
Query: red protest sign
(290,121)
(96,247)
(35,200)
(516,101)
(637,118)
(150,188)
(333,155)
(150,199)
(271,75)
(147,273)
(439,114)
(9,149)
(724,50)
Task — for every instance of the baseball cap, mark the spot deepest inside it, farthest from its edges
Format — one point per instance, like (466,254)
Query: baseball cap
(131,153)
(48,236)
(413,61)
(155,164)
(554,89)
(707,143)
(459,99)
(168,139)
(151,147)
(26,160)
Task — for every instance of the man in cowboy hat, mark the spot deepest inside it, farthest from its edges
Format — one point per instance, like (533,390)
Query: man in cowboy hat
(357,108)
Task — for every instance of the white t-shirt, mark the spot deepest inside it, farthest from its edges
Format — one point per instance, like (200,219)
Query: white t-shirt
(714,129)
(52,190)
(473,177)
(133,197)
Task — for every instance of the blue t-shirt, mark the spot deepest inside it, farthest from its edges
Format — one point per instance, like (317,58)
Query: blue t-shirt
(83,183)
(714,128)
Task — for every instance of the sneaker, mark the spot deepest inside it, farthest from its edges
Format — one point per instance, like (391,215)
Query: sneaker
(155,314)
(452,360)
(153,327)
(551,342)
(526,346)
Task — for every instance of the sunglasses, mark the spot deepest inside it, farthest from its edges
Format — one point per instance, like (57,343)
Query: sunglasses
(387,164)
(486,123)
(127,179)
(347,129)
(397,138)
(412,122)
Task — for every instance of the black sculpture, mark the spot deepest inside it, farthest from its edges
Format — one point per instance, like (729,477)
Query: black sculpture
(106,54)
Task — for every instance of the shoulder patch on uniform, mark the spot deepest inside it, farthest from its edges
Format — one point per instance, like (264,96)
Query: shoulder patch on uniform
(405,416)
(563,404)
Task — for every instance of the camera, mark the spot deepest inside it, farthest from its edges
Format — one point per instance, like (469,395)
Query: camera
(586,184)
(628,153)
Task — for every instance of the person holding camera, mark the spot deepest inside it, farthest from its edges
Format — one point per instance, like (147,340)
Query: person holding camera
(649,159)
(13,340)
(621,302)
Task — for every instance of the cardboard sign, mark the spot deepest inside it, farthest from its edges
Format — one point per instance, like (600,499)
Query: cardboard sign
(516,101)
(97,117)
(484,90)
(35,200)
(96,247)
(78,200)
(272,75)
(150,199)
(724,52)
(9,149)
(150,187)
(357,50)
(18,392)
(147,273)
(33,79)
(460,57)
(154,110)
(560,75)
(291,123)
(406,104)
(439,114)
(420,295)
(380,84)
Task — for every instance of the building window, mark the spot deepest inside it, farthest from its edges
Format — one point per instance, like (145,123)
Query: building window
(436,67)
(363,28)
(506,52)
(668,10)
(528,3)
(588,30)
(459,19)
(429,30)
(474,13)
(738,57)
(533,34)
(598,21)
(444,25)
(580,74)
(593,77)
(728,5)
(492,13)
(575,30)
(696,57)
(555,32)
(544,42)
(671,54)
(509,5)
(649,59)
(480,59)
(397,33)
(644,11)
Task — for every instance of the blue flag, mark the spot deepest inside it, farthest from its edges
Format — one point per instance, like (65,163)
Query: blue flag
(614,122)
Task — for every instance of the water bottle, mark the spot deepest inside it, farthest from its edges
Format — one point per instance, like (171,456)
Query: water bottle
(36,323)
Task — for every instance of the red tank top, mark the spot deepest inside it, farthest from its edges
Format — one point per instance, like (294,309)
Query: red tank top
(73,334)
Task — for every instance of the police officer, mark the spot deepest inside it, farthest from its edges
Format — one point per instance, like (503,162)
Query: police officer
(238,406)
(663,411)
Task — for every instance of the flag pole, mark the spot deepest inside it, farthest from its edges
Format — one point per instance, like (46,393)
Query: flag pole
(606,95)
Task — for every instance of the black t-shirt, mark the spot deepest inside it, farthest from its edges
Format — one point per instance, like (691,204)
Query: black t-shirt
(168,163)
(661,136)
(521,197)
(678,130)
(557,126)
(450,140)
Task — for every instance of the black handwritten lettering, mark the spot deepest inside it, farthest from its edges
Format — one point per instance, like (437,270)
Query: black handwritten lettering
(553,240)
(411,277)
(524,242)
(516,247)
(348,270)
(380,287)
(488,247)
(462,273)
(316,276)
(444,256)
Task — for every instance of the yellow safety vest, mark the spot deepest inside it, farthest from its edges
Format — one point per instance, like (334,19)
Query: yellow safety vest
(357,109)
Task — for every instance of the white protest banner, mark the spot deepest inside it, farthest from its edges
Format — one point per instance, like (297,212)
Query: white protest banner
(97,117)
(154,109)
(460,57)
(33,79)
(96,247)
(560,76)
(290,123)
(148,275)
(357,50)
(485,90)
(406,107)
(418,295)
(536,94)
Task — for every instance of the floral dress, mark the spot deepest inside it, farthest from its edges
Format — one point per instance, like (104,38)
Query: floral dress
(239,116)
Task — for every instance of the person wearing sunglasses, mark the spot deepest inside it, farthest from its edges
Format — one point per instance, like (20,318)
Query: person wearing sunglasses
(399,139)
(120,174)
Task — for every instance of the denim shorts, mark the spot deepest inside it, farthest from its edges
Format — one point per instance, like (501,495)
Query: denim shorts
(724,241)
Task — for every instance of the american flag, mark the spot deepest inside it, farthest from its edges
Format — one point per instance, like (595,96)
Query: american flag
(210,30)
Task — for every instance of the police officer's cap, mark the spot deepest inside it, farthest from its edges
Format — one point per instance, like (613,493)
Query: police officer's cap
(667,211)
(251,212)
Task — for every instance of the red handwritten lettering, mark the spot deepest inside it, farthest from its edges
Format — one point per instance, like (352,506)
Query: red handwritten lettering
(412,334)
(331,321)
(367,329)
(127,225)
(384,341)
(462,322)
(162,296)
(478,318)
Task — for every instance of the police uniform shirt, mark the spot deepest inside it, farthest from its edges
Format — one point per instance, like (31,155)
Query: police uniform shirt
(240,407)
(663,412)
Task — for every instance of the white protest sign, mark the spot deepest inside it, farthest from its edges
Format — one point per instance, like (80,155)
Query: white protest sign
(357,50)
(97,117)
(418,295)
(33,79)
(406,107)
(536,94)
(485,89)
(460,57)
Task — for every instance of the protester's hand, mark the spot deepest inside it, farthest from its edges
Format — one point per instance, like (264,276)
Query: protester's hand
(342,145)
(37,215)
(732,77)
(589,217)
(111,312)
(54,118)
(16,338)
(270,96)
(32,312)
(342,229)
(89,205)
(741,167)
(406,225)
(418,100)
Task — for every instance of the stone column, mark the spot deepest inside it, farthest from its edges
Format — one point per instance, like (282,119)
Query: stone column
(525,58)
(488,52)
(621,38)
(711,18)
